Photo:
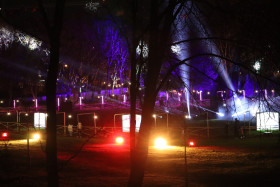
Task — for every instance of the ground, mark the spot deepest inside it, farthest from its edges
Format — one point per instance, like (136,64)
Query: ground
(214,162)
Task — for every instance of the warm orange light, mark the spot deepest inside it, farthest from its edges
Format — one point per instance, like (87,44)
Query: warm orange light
(160,143)
(119,140)
(36,136)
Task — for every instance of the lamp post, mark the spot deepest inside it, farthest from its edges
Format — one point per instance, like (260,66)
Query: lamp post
(94,120)
(155,116)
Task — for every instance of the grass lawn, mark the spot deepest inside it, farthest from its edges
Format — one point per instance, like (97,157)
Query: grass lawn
(215,162)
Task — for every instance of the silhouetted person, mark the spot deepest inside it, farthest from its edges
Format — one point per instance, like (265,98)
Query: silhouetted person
(236,127)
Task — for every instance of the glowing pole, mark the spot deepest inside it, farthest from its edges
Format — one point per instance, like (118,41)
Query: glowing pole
(265,93)
(200,95)
(58,104)
(36,103)
(94,120)
(124,98)
(14,103)
(155,116)
(102,100)
(167,98)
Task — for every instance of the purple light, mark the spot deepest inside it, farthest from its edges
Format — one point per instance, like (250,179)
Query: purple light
(124,98)
(80,100)
(102,100)
(200,95)
(36,103)
(58,102)
(14,103)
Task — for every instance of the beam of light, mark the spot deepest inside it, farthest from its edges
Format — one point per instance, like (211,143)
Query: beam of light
(210,45)
(206,109)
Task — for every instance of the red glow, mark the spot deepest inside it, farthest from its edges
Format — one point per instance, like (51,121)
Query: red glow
(191,143)
(4,134)
(119,140)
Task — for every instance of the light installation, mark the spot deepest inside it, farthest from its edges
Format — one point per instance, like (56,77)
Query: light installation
(268,121)
(40,120)
(126,123)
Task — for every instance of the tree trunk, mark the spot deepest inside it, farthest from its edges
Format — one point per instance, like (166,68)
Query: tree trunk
(51,145)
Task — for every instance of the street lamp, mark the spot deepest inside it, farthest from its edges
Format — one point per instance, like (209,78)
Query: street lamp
(94,120)
(155,116)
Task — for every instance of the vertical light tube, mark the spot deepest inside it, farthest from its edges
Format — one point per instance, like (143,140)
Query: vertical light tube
(36,103)
(102,100)
(124,98)
(80,100)
(14,103)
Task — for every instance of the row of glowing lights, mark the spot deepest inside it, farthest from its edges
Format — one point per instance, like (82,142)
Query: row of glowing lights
(113,95)
(69,116)
(159,142)
(5,136)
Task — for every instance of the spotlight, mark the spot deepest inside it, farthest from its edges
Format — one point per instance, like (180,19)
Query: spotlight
(160,143)
(36,136)
(119,140)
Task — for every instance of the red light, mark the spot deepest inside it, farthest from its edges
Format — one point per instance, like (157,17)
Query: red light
(119,140)
(4,135)
(191,143)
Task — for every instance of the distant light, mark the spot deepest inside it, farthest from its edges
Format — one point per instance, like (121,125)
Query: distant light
(95,117)
(256,91)
(26,114)
(224,104)
(191,143)
(154,116)
(208,93)
(160,143)
(119,140)
(1,101)
(272,91)
(8,113)
(65,65)
(257,65)
(69,116)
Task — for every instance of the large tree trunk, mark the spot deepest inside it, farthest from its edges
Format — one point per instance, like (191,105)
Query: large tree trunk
(51,145)
(158,37)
